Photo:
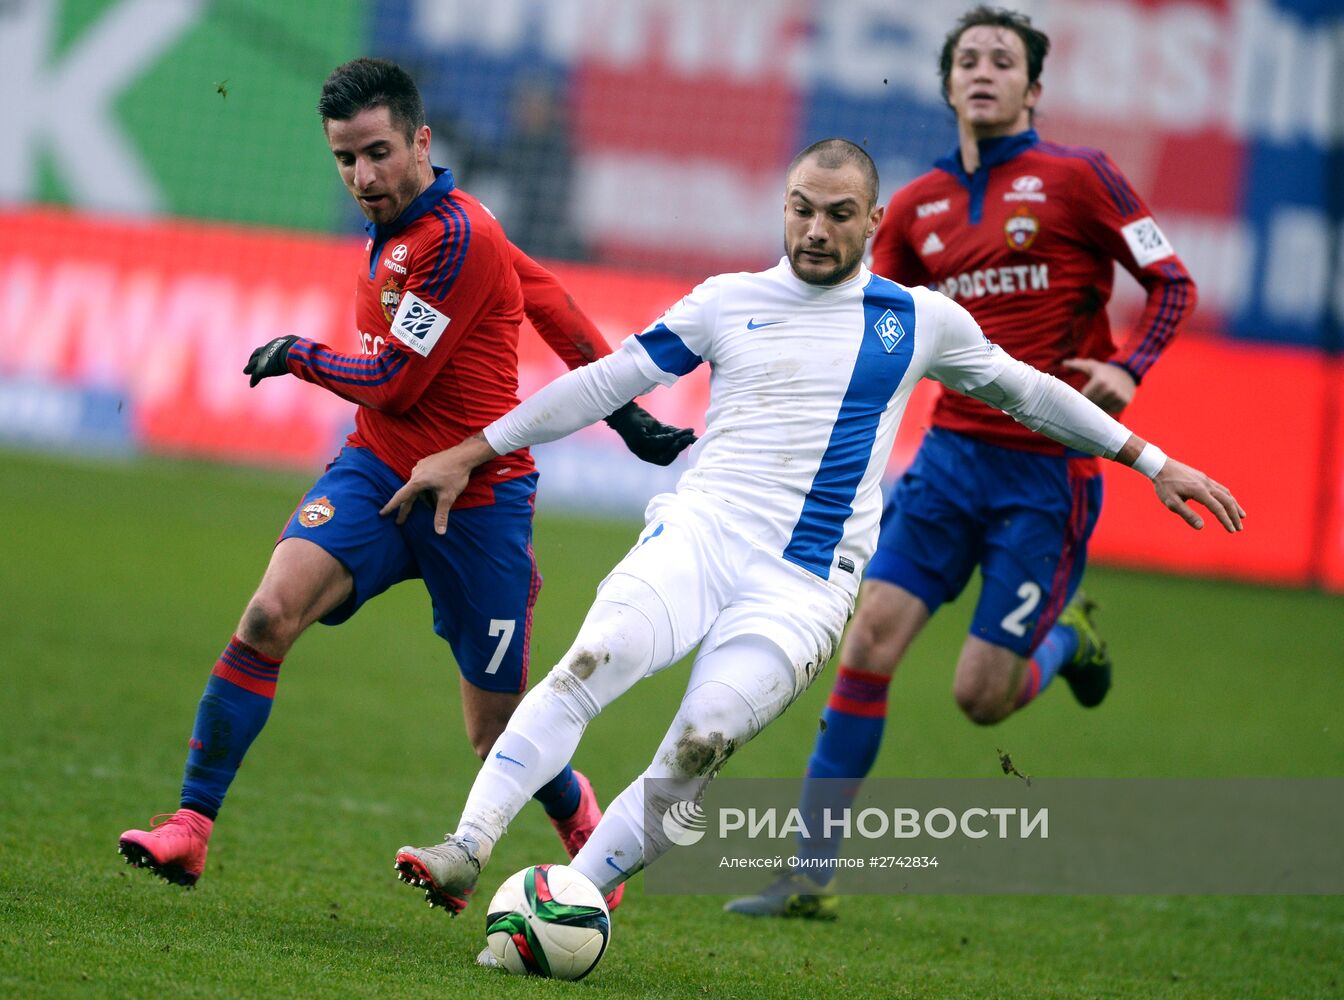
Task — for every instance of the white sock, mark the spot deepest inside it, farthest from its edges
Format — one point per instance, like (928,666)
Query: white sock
(716,716)
(614,649)
(539,740)
(615,851)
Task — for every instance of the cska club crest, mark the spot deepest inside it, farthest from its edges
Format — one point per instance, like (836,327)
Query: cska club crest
(389,298)
(1021,228)
(319,512)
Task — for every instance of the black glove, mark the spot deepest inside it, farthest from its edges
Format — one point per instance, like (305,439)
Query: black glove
(268,360)
(649,439)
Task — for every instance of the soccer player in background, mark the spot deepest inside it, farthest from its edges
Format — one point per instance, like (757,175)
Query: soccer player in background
(438,306)
(1024,233)
(757,556)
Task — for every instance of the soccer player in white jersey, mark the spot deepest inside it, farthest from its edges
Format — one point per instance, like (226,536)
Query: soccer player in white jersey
(756,557)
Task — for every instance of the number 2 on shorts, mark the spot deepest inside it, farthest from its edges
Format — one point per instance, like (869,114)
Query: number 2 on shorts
(1015,621)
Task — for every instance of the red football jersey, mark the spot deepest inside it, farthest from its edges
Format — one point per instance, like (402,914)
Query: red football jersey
(438,308)
(1027,244)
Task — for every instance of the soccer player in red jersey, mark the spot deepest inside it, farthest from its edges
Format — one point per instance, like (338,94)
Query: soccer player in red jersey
(1025,234)
(438,307)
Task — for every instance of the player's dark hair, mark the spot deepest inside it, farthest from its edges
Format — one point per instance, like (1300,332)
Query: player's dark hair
(362,84)
(833,153)
(1034,41)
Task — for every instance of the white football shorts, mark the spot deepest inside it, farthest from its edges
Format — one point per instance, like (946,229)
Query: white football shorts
(716,584)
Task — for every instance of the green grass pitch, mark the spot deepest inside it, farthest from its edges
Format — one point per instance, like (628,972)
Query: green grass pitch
(119,584)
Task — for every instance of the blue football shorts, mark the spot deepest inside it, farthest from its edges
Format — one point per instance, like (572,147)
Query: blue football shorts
(1023,518)
(481,575)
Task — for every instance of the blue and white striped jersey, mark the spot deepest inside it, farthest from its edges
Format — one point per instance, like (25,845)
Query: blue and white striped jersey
(807,386)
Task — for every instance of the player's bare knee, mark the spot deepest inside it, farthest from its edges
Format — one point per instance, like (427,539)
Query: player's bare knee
(985,714)
(864,637)
(267,627)
(873,644)
(982,710)
(980,702)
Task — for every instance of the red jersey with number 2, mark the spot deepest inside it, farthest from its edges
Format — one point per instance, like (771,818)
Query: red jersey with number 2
(1028,245)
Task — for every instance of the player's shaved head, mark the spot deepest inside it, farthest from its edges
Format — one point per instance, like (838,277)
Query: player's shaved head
(830,211)
(835,153)
(362,84)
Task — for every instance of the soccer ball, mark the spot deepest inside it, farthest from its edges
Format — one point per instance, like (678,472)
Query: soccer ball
(550,921)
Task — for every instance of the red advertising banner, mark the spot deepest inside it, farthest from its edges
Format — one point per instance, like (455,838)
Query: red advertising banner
(165,314)
(150,324)
(1331,541)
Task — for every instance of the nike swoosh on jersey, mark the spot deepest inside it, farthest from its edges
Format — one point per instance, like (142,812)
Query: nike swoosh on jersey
(753,325)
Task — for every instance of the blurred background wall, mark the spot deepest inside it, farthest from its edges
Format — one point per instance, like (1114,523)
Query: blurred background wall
(169,204)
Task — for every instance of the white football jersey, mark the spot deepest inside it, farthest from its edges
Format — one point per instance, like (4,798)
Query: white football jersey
(807,387)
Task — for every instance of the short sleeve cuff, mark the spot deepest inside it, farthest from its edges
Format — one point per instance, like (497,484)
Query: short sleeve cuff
(662,356)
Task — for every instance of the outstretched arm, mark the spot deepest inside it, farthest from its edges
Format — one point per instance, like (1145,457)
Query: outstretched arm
(1055,409)
(576,399)
(576,340)
(1176,483)
(968,362)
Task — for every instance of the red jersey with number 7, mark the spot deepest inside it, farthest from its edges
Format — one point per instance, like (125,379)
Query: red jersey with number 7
(438,308)
(1028,244)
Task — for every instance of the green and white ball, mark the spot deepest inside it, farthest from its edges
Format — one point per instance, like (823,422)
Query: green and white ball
(550,921)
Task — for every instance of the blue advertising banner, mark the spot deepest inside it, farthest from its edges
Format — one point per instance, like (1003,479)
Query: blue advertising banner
(653,134)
